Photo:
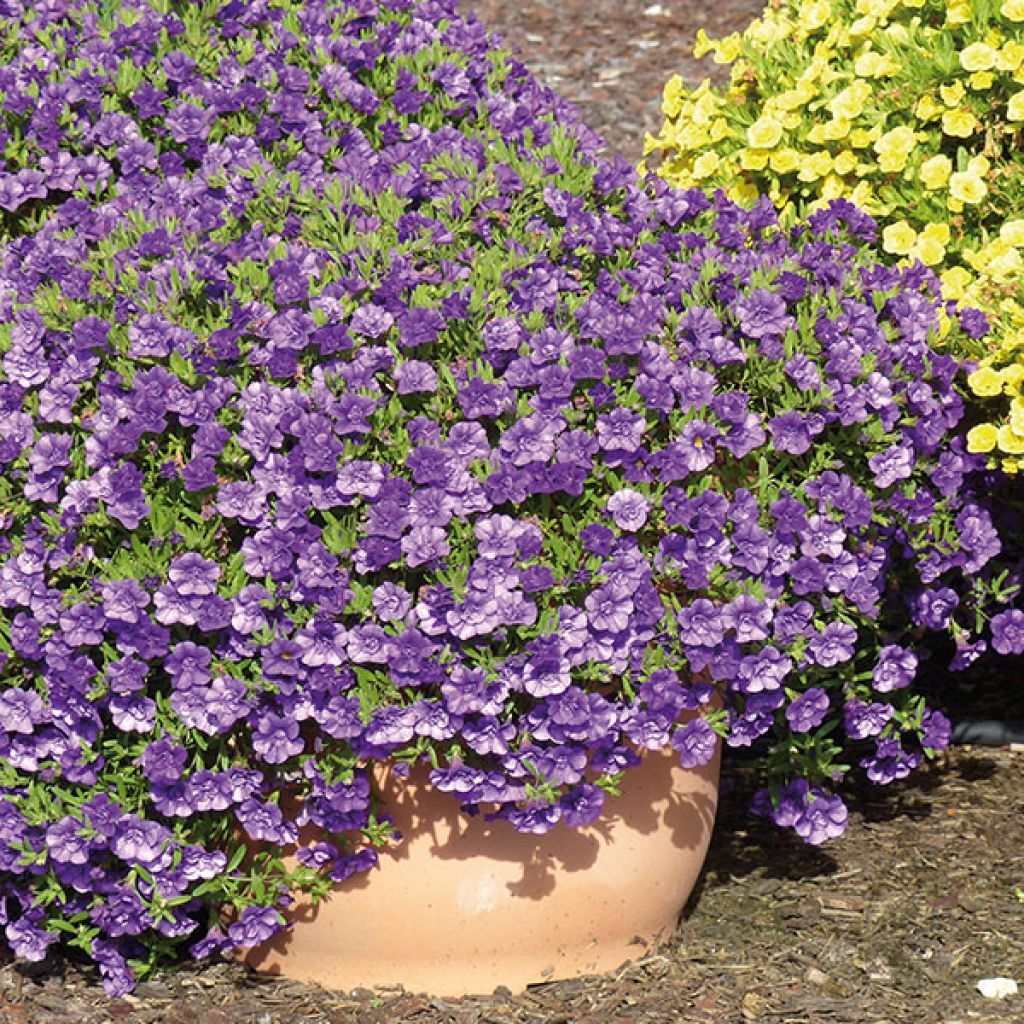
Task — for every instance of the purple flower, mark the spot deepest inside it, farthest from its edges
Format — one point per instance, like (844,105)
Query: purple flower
(808,710)
(696,742)
(609,609)
(141,842)
(124,600)
(748,618)
(27,941)
(762,314)
(833,645)
(582,805)
(895,669)
(701,624)
(824,817)
(415,376)
(620,431)
(255,925)
(889,762)
(629,509)
(692,452)
(371,320)
(791,432)
(276,738)
(936,730)
(864,720)
(895,463)
(192,575)
(1008,632)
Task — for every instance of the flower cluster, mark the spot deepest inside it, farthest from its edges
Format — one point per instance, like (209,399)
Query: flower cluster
(352,410)
(912,109)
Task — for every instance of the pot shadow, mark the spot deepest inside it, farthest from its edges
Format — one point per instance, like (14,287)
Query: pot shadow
(649,803)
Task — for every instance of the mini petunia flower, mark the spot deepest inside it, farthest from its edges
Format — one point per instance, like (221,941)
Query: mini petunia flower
(629,509)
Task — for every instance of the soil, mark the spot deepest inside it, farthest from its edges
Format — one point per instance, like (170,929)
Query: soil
(895,923)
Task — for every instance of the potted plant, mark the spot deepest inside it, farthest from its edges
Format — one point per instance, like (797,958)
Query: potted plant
(364,432)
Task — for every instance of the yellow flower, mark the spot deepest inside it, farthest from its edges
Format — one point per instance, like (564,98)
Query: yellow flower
(1002,262)
(966,187)
(831,188)
(935,171)
(898,238)
(894,147)
(816,135)
(930,247)
(960,124)
(727,49)
(845,162)
(927,109)
(836,129)
(862,27)
(1017,415)
(1013,10)
(985,382)
(863,197)
(959,12)
(815,166)
(982,438)
(1011,56)
(764,133)
(937,232)
(672,96)
(955,282)
(928,251)
(705,165)
(784,161)
(1013,375)
(850,102)
(1010,441)
(703,44)
(1015,108)
(871,64)
(814,16)
(744,192)
(981,80)
(952,95)
(876,8)
(977,57)
(1012,232)
(724,51)
(754,159)
(860,138)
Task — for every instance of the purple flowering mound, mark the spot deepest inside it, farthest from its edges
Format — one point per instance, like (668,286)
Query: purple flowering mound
(351,409)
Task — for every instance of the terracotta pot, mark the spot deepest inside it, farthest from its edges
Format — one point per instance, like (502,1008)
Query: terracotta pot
(463,905)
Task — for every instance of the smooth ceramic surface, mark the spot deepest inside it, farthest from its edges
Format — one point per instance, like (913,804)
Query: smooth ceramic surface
(463,905)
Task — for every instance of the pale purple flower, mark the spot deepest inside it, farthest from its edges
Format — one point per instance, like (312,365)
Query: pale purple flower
(413,376)
(629,509)
(1008,632)
(808,710)
(696,742)
(895,669)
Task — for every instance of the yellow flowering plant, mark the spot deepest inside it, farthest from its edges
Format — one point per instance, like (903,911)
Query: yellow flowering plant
(914,110)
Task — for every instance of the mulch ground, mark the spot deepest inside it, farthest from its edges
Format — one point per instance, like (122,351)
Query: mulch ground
(895,923)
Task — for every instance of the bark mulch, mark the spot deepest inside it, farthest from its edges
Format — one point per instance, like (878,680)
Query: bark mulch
(612,58)
(893,924)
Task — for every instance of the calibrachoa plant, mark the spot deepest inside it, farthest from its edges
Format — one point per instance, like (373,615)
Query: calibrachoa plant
(352,410)
(914,110)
